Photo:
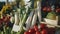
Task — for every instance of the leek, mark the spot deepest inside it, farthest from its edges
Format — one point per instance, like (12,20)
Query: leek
(39,10)
(29,19)
(34,19)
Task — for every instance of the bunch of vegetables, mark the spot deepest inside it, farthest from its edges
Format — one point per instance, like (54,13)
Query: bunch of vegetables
(22,16)
(29,19)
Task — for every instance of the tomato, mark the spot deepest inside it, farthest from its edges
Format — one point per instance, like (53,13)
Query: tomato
(35,27)
(26,33)
(44,31)
(31,31)
(58,10)
(45,8)
(48,9)
(37,32)
(42,26)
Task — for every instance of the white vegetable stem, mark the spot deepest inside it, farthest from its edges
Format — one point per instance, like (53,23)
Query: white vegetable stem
(12,19)
(34,19)
(39,10)
(28,21)
(16,18)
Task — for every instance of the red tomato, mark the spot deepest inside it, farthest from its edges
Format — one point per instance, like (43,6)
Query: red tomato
(58,10)
(35,27)
(37,32)
(44,31)
(31,31)
(26,33)
(42,26)
(48,9)
(44,9)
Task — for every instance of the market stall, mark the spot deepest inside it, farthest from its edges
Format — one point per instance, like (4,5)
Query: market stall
(30,17)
